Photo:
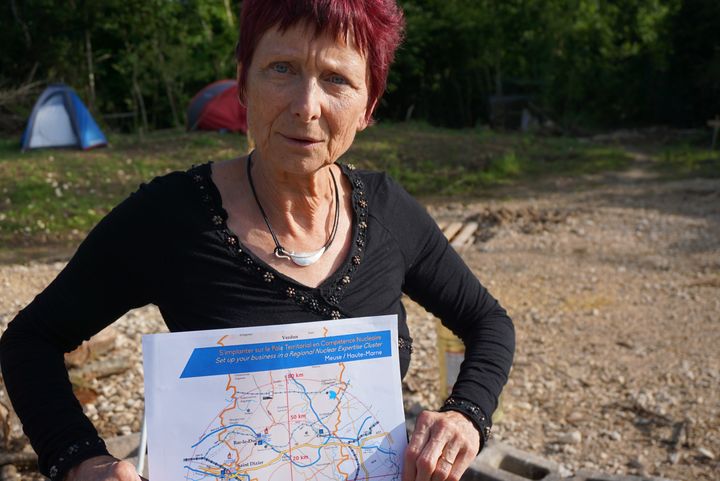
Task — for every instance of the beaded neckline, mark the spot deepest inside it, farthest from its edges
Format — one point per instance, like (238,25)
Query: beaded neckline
(323,299)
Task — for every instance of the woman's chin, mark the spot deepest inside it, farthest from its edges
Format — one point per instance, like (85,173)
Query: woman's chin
(299,162)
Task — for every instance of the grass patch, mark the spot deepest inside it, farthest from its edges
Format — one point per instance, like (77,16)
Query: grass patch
(54,196)
(430,161)
(689,160)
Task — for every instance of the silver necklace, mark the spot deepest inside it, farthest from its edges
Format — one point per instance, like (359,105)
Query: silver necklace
(302,259)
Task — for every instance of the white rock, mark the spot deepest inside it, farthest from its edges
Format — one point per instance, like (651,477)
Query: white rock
(573,437)
(706,453)
(564,471)
(575,416)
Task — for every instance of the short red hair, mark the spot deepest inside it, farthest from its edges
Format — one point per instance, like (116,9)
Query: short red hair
(375,25)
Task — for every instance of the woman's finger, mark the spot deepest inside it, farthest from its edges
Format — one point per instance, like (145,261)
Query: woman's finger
(125,471)
(462,462)
(442,447)
(449,459)
(443,468)
(415,447)
(451,451)
(436,432)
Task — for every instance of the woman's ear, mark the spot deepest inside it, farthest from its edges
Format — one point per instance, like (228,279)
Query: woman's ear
(366,118)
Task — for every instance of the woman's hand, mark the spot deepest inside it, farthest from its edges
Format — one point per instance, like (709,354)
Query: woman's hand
(103,468)
(441,447)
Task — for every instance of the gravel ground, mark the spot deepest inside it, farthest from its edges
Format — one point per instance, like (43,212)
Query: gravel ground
(612,282)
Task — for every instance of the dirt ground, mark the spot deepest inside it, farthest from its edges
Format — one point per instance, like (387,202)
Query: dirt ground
(613,282)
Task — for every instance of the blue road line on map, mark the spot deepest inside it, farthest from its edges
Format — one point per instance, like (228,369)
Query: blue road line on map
(268,356)
(201,472)
(329,436)
(391,453)
(319,420)
(339,438)
(222,429)
(311,405)
(295,463)
(361,426)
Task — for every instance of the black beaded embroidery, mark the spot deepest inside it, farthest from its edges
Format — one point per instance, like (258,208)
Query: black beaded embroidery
(73,454)
(474,413)
(326,305)
(405,344)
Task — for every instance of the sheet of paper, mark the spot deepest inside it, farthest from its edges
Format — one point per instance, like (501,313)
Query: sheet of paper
(318,401)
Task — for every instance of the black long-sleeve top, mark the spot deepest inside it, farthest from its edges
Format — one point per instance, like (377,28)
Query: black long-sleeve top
(168,244)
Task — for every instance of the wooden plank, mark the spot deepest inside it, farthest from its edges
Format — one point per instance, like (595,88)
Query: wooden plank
(715,124)
(465,235)
(23,459)
(442,224)
(452,229)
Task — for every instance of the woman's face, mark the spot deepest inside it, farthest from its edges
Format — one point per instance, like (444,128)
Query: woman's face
(306,98)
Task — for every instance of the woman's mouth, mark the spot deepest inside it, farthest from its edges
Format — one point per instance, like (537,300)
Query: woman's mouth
(301,140)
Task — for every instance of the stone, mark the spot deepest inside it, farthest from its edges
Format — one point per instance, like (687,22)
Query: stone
(564,471)
(502,462)
(575,416)
(636,464)
(706,453)
(100,343)
(569,449)
(9,473)
(573,437)
(123,446)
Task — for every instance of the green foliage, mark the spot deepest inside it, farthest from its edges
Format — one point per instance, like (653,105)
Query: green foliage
(144,56)
(689,160)
(597,60)
(587,62)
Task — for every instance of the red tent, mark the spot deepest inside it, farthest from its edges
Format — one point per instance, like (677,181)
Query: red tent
(216,107)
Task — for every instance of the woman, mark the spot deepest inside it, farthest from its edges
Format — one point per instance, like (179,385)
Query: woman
(282,235)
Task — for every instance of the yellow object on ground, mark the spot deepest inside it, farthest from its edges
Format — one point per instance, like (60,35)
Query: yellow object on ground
(451,353)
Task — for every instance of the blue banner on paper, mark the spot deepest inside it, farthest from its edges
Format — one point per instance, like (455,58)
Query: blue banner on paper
(268,356)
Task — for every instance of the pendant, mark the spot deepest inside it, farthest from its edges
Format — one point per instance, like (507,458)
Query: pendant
(302,259)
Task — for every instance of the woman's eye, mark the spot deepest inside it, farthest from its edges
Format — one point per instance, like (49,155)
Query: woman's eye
(280,68)
(338,79)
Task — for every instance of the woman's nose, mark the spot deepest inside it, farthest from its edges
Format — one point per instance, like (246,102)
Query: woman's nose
(306,105)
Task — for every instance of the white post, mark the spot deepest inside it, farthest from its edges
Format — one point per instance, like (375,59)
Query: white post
(143,447)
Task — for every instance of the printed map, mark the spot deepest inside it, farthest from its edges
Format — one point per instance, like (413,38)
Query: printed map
(305,403)
(294,425)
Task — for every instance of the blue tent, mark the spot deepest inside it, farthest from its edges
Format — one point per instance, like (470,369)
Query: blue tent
(60,119)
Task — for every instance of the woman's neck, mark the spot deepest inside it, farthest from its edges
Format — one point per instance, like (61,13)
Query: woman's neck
(296,205)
